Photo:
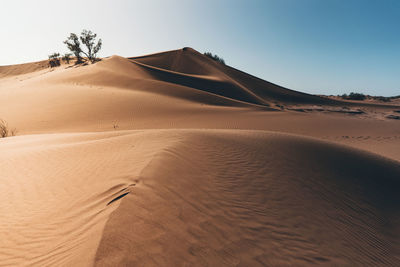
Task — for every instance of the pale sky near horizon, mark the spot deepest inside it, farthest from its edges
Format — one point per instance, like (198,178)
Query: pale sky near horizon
(320,47)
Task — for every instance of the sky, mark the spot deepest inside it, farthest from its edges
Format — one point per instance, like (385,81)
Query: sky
(314,46)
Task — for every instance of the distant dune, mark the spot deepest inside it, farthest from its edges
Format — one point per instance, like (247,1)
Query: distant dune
(173,159)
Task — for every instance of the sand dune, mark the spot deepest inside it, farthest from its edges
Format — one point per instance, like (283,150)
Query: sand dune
(173,159)
(217,197)
(221,208)
(20,69)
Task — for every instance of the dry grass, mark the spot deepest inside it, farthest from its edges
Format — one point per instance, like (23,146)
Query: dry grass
(5,131)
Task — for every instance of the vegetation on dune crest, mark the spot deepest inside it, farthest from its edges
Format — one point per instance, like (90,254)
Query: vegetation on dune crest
(67,57)
(5,131)
(354,96)
(215,57)
(54,60)
(359,96)
(88,39)
(76,45)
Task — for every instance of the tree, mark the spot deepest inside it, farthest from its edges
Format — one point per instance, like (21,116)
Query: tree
(74,46)
(54,60)
(88,38)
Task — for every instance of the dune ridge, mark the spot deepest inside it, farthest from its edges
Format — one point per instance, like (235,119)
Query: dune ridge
(173,159)
(20,69)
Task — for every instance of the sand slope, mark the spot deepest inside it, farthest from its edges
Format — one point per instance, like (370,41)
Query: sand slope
(289,200)
(172,159)
(190,62)
(56,191)
(200,197)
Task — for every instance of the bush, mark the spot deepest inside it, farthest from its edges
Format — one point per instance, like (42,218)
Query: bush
(88,38)
(67,57)
(5,131)
(54,60)
(215,57)
(354,96)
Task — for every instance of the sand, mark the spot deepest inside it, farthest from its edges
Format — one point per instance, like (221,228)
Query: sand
(172,159)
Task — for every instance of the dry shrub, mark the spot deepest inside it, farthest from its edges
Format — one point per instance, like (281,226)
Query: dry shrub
(5,131)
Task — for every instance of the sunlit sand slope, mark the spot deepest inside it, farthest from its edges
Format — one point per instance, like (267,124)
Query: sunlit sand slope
(57,192)
(168,197)
(224,198)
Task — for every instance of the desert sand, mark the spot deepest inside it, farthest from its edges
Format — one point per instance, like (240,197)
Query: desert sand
(173,159)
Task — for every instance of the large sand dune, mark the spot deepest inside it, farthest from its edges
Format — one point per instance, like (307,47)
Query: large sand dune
(172,159)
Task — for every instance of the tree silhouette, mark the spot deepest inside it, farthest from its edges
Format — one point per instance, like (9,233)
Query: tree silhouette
(74,46)
(88,38)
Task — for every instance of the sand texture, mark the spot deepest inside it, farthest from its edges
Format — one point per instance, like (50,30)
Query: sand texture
(173,159)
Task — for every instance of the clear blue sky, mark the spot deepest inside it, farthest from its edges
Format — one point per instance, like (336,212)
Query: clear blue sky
(315,46)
